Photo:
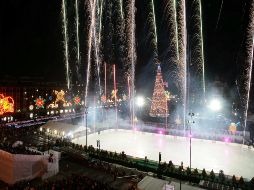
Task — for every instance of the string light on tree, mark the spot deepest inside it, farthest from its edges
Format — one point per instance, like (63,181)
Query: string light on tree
(159,106)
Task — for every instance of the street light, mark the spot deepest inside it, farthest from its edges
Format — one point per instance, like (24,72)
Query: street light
(140,101)
(86,112)
(190,135)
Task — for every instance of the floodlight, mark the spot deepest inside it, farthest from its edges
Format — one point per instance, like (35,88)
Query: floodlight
(140,101)
(215,105)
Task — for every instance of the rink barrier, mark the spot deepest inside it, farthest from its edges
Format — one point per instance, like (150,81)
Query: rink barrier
(173,137)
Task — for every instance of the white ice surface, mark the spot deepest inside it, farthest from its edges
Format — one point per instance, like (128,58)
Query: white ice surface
(231,158)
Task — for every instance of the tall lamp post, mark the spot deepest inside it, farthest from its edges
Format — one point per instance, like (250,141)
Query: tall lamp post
(140,102)
(191,121)
(86,112)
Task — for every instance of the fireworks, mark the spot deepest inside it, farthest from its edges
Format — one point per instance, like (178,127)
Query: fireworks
(77,32)
(197,40)
(91,8)
(97,58)
(249,60)
(176,29)
(202,47)
(121,8)
(66,49)
(170,12)
(100,19)
(152,24)
(131,51)
(182,65)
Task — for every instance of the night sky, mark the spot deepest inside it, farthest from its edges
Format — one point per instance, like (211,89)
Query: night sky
(31,37)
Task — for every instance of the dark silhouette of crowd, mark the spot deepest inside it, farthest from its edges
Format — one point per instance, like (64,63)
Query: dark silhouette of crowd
(77,182)
(11,140)
(20,149)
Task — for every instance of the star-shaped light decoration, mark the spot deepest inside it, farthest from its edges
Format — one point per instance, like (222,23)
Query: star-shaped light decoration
(39,102)
(77,100)
(114,94)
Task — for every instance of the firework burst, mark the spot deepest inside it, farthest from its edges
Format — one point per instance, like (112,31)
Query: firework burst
(130,28)
(182,65)
(91,6)
(151,20)
(197,41)
(170,14)
(249,62)
(66,48)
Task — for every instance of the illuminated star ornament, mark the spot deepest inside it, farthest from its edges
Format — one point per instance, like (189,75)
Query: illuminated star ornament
(39,102)
(6,104)
(114,94)
(60,96)
(77,100)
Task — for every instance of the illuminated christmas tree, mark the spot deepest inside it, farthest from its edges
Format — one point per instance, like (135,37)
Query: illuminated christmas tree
(159,107)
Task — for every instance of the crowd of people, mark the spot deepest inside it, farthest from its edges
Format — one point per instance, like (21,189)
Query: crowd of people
(77,182)
(19,149)
(15,140)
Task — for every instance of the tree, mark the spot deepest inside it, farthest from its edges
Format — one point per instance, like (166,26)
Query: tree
(159,107)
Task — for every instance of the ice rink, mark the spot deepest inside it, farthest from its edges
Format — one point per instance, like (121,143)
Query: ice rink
(229,157)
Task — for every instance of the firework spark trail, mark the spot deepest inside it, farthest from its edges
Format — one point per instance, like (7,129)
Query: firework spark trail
(176,29)
(219,15)
(77,35)
(197,54)
(131,51)
(77,30)
(250,49)
(100,20)
(202,48)
(154,24)
(91,7)
(182,64)
(170,12)
(133,55)
(97,58)
(66,48)
(121,6)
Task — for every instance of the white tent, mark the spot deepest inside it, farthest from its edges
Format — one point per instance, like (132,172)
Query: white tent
(63,129)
